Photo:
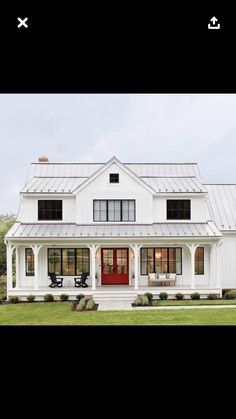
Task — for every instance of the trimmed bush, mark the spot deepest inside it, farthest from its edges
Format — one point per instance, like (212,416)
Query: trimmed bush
(145,300)
(82,304)
(149,295)
(90,304)
(230,295)
(31,298)
(64,297)
(13,299)
(179,296)
(163,296)
(79,297)
(48,298)
(195,296)
(138,301)
(4,297)
(212,297)
(224,291)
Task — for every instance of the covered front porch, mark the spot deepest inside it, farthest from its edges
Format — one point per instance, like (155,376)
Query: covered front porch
(121,258)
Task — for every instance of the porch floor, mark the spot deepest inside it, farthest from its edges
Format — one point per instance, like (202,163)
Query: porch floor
(113,292)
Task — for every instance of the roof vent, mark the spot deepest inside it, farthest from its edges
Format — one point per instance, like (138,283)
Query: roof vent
(43,159)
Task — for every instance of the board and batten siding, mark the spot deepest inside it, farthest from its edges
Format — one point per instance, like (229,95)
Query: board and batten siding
(228,261)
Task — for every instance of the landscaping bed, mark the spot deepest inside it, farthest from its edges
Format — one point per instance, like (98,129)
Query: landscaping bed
(74,307)
(147,300)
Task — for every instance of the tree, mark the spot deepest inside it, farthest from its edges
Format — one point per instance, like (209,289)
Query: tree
(6,221)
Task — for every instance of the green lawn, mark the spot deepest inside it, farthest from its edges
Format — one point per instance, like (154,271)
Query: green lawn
(201,302)
(60,314)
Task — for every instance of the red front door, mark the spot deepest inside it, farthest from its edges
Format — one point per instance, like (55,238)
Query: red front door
(115,266)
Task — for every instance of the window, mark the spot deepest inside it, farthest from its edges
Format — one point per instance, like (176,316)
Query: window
(178,209)
(68,262)
(99,210)
(82,261)
(199,261)
(114,177)
(161,260)
(54,261)
(49,210)
(114,210)
(29,262)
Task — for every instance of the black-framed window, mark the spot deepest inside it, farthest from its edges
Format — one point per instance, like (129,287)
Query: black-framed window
(199,261)
(114,210)
(161,260)
(178,209)
(50,209)
(114,177)
(68,261)
(29,262)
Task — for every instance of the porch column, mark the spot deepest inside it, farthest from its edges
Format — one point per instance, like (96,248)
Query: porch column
(192,247)
(36,248)
(136,249)
(17,267)
(212,265)
(218,263)
(93,249)
(10,250)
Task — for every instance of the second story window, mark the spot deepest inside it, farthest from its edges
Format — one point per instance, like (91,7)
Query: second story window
(178,209)
(50,209)
(114,177)
(114,210)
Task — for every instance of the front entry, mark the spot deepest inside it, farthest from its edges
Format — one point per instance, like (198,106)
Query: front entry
(115,266)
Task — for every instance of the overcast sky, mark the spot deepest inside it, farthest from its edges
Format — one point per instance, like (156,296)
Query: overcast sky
(134,128)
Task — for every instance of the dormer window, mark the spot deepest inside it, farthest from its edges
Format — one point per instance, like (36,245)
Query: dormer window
(114,177)
(50,209)
(178,209)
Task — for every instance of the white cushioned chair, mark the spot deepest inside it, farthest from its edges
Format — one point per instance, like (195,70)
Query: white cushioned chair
(161,279)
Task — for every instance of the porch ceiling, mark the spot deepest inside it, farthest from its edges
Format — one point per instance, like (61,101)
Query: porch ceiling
(117,231)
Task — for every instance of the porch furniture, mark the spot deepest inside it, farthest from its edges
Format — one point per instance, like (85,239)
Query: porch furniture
(55,281)
(80,281)
(161,279)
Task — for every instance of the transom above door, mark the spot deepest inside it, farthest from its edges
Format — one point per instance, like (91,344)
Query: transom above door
(115,266)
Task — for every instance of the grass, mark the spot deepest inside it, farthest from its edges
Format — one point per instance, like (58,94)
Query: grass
(201,302)
(60,313)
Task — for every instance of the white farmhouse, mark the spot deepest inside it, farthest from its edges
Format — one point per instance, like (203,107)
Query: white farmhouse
(132,227)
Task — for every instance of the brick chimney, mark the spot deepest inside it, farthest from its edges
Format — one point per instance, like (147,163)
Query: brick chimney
(43,159)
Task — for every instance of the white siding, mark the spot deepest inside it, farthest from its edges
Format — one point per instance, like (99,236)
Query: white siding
(28,212)
(198,208)
(127,188)
(228,258)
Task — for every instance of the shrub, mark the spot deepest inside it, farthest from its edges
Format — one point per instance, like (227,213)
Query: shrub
(195,296)
(31,298)
(13,299)
(79,297)
(4,297)
(90,304)
(163,296)
(145,300)
(212,296)
(224,291)
(48,298)
(149,295)
(230,295)
(82,304)
(138,301)
(179,296)
(64,297)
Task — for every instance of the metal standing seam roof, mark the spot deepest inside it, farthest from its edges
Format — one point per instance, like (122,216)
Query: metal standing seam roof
(175,184)
(67,177)
(222,205)
(54,231)
(87,169)
(53,184)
